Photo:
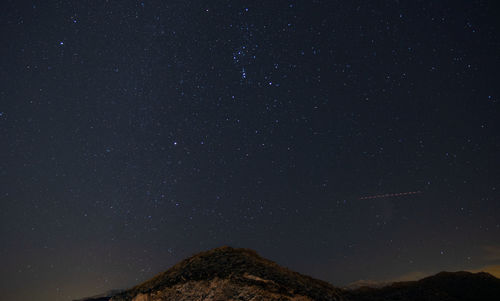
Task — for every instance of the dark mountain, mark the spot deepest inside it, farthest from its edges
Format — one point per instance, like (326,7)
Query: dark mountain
(241,274)
(102,297)
(445,286)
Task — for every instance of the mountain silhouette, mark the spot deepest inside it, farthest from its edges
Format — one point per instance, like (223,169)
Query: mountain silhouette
(444,286)
(227,273)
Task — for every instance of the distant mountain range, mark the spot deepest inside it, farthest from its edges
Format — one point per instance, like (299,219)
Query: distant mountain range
(241,274)
(102,297)
(444,286)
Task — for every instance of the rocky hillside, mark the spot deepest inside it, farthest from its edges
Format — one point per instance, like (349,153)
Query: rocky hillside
(230,274)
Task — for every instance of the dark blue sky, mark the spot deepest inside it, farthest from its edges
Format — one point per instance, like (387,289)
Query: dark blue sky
(134,134)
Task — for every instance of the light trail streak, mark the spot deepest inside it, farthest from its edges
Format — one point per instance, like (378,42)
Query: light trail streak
(389,195)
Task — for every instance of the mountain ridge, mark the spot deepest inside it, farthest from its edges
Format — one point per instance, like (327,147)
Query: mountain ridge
(443,286)
(228,273)
(242,267)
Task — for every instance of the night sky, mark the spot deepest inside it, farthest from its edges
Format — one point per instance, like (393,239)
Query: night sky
(134,134)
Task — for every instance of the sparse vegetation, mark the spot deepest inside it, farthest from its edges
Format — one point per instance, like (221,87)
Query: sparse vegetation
(237,264)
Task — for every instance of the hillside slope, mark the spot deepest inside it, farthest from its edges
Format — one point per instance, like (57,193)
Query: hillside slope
(226,273)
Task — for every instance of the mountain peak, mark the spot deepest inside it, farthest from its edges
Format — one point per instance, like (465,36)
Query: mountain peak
(227,266)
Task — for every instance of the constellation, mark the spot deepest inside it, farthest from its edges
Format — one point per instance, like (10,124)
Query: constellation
(245,53)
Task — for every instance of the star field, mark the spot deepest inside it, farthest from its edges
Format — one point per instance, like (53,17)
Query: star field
(136,133)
